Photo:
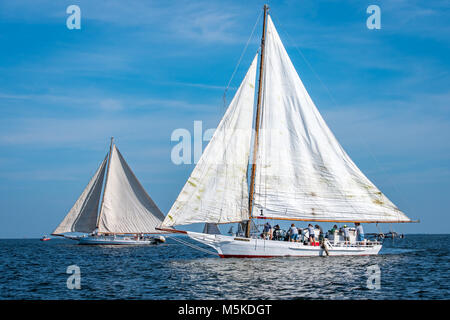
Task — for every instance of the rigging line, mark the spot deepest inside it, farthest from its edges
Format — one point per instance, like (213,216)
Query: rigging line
(193,246)
(379,229)
(261,156)
(307,62)
(239,62)
(336,104)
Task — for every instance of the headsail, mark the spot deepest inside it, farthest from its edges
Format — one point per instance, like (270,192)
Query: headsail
(217,190)
(127,208)
(83,215)
(302,170)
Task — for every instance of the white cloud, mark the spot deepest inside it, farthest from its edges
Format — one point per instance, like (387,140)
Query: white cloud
(111,105)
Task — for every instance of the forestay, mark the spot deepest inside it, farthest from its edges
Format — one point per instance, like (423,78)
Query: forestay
(302,170)
(83,215)
(217,190)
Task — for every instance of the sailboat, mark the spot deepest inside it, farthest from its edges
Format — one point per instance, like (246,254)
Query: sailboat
(126,216)
(298,169)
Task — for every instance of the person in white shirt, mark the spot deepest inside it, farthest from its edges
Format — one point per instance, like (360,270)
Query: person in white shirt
(359,232)
(311,234)
(293,233)
(346,234)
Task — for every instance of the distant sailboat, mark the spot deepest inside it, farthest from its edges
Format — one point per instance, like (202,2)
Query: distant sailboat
(127,215)
(299,171)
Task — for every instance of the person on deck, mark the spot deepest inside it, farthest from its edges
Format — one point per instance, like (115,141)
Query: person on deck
(359,232)
(311,234)
(276,233)
(301,235)
(346,234)
(332,231)
(267,232)
(293,233)
(320,231)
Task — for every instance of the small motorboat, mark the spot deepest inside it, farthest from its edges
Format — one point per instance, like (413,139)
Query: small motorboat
(45,238)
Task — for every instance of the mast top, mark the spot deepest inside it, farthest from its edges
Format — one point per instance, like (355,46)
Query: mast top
(266,9)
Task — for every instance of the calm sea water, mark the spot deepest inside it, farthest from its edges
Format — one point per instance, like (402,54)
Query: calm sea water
(416,267)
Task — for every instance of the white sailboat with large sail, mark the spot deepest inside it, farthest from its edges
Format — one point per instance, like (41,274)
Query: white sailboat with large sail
(299,171)
(126,215)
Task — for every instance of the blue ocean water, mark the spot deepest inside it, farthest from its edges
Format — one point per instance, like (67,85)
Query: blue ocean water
(416,267)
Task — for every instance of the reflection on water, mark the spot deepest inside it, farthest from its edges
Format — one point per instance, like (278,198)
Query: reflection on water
(412,268)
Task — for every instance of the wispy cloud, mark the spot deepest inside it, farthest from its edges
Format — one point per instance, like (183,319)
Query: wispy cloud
(204,21)
(111,105)
(108,101)
(82,131)
(408,131)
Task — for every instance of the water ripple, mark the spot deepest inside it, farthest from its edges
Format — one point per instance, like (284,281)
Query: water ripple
(412,268)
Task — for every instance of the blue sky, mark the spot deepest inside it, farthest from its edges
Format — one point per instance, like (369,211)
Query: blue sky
(137,70)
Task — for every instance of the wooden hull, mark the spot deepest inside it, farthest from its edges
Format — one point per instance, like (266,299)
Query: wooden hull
(237,247)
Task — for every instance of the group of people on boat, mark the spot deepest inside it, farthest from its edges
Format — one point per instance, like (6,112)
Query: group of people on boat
(136,236)
(294,234)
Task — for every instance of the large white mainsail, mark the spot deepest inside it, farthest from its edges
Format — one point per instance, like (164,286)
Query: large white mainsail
(83,215)
(302,172)
(217,190)
(126,208)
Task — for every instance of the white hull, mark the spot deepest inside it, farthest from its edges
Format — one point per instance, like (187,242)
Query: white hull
(238,247)
(89,240)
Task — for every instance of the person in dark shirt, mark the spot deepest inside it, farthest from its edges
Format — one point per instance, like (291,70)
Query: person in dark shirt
(267,232)
(276,233)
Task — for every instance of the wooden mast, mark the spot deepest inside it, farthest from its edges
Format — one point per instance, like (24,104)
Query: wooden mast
(258,113)
(106,181)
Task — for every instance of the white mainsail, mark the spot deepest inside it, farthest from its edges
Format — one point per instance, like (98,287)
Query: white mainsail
(217,190)
(83,215)
(126,208)
(302,172)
